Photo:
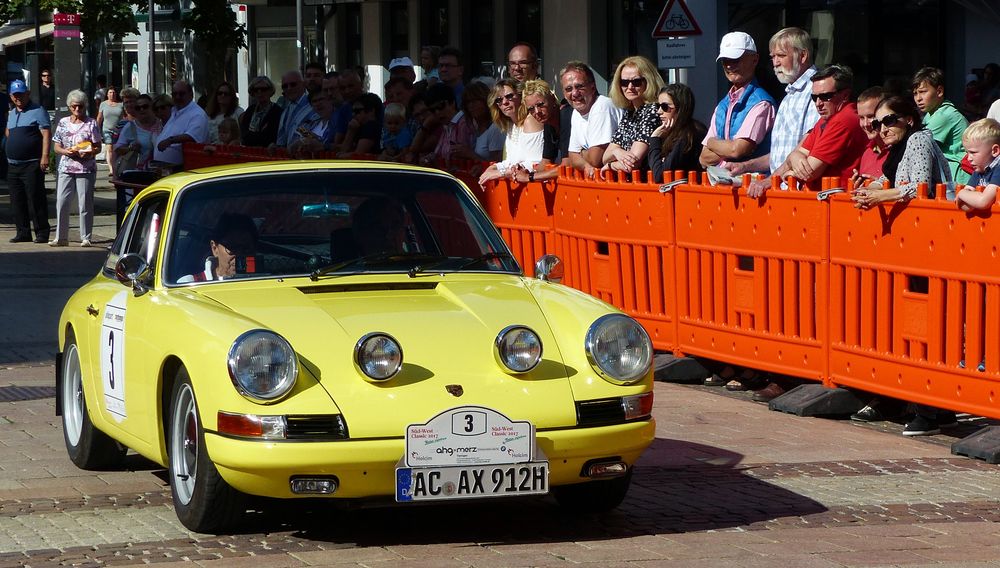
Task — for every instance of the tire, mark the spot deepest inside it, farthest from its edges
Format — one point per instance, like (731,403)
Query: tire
(203,501)
(88,447)
(594,496)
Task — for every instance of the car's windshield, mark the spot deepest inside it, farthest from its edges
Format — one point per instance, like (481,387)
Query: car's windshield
(327,223)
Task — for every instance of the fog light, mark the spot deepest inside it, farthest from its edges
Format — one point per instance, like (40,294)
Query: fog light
(607,469)
(637,406)
(314,485)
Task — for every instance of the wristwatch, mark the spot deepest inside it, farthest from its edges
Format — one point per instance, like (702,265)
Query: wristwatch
(531,175)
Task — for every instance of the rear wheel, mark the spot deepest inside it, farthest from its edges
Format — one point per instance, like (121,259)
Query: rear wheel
(203,501)
(593,496)
(88,447)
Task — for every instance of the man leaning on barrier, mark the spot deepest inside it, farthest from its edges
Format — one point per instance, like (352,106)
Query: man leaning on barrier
(835,145)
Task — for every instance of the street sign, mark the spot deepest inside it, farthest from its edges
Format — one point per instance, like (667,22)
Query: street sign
(675,53)
(675,21)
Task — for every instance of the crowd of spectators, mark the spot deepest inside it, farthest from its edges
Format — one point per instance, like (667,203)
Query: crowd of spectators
(881,143)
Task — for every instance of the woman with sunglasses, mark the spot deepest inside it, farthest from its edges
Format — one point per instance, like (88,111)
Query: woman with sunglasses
(525,134)
(914,157)
(259,124)
(221,106)
(676,143)
(77,139)
(162,105)
(541,105)
(134,148)
(636,84)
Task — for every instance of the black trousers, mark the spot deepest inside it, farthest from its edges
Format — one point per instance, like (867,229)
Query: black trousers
(27,199)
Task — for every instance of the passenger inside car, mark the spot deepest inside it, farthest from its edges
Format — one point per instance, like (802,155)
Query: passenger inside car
(233,244)
(379,226)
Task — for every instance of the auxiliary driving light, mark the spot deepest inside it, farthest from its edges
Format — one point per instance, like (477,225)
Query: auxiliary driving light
(314,485)
(607,469)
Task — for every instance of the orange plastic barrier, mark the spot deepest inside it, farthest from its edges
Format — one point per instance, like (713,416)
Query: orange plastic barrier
(616,238)
(752,278)
(524,215)
(915,296)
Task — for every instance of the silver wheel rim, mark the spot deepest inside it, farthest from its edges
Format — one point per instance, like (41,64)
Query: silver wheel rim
(184,445)
(72,396)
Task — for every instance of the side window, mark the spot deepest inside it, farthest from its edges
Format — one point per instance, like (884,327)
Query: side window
(140,232)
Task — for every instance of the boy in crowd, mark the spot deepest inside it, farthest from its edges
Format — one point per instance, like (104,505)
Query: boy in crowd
(396,137)
(941,117)
(982,141)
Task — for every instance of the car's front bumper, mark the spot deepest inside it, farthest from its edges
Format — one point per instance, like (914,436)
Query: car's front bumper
(366,468)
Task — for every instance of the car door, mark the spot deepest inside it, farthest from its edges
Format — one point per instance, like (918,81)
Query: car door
(126,381)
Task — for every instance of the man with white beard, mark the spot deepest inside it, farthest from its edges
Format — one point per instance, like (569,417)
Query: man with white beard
(791,56)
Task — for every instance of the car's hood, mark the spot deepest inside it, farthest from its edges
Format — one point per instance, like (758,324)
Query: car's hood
(446,326)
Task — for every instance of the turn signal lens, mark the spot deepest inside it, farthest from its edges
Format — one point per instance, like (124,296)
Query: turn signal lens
(638,406)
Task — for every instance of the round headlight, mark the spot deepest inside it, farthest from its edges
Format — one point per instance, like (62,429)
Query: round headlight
(619,349)
(379,356)
(518,349)
(262,365)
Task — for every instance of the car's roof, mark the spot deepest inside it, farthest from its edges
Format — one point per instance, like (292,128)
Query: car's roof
(183,179)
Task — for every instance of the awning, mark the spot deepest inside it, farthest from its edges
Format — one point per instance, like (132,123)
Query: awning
(17,34)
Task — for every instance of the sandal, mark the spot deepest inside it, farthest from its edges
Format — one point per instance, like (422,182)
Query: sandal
(749,379)
(719,379)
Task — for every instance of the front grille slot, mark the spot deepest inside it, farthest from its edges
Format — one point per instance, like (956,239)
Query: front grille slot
(316,427)
(600,412)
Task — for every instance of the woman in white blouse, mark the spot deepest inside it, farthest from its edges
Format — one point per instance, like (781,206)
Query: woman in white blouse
(525,147)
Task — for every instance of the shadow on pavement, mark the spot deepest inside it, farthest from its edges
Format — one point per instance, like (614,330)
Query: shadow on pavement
(695,488)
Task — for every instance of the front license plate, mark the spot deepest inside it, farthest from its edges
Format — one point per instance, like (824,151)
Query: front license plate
(471,482)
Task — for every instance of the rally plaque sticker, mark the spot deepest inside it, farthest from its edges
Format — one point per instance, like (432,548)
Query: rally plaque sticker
(470,452)
(113,356)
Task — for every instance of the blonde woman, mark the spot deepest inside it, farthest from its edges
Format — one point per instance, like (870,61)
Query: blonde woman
(525,145)
(634,88)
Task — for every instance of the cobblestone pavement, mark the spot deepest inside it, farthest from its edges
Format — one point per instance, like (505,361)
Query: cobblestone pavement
(726,483)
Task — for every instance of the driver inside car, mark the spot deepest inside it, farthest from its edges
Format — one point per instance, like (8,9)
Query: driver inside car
(379,227)
(233,244)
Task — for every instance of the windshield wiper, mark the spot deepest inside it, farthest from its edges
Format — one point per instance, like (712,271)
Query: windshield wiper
(486,257)
(374,258)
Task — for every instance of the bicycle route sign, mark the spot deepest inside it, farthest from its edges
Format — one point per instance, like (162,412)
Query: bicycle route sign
(676,21)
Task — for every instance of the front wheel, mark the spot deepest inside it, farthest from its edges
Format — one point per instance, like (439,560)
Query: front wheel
(203,501)
(594,496)
(88,447)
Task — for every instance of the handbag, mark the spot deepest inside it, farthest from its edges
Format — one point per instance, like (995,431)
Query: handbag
(126,161)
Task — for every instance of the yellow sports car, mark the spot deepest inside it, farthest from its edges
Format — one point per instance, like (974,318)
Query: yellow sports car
(348,330)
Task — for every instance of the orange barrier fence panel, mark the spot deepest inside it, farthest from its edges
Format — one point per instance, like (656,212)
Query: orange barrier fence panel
(752,278)
(915,303)
(523,213)
(616,239)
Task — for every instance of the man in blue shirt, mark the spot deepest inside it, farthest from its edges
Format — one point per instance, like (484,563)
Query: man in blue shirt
(27,135)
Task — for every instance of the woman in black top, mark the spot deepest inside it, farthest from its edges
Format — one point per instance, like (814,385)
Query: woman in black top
(259,124)
(676,142)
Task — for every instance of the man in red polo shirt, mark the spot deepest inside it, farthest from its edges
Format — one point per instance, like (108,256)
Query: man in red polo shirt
(835,144)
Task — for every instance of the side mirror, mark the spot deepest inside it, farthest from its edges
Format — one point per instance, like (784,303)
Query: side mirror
(133,271)
(549,268)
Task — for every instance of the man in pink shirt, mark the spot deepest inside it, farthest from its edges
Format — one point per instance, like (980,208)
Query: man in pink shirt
(740,128)
(876,152)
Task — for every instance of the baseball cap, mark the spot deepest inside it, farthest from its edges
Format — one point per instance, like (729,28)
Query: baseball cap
(400,62)
(17,86)
(971,77)
(735,44)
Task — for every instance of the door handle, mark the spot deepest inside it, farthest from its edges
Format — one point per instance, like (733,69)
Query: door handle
(92,310)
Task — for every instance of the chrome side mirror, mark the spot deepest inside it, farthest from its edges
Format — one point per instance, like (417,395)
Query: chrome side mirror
(549,268)
(133,271)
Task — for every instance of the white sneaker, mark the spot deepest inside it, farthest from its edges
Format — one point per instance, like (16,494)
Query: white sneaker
(85,243)
(58,243)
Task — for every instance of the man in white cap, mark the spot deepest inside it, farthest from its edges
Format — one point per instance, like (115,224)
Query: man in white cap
(402,67)
(740,128)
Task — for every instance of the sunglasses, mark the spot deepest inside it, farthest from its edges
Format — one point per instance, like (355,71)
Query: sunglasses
(508,97)
(636,82)
(141,107)
(357,109)
(224,93)
(887,121)
(259,90)
(665,107)
(536,108)
(178,93)
(161,107)
(825,97)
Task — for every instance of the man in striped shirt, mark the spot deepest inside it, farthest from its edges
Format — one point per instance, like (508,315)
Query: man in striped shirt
(297,110)
(791,57)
